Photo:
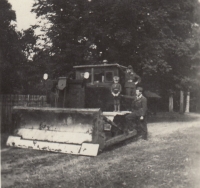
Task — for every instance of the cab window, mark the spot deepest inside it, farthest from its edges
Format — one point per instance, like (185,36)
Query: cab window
(109,76)
(98,76)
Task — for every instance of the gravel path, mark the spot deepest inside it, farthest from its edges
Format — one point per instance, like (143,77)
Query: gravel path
(189,122)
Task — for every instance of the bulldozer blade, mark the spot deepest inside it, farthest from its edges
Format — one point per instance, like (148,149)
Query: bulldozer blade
(86,149)
(67,130)
(62,125)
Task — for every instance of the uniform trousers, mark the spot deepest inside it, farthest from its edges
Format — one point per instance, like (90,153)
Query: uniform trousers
(133,122)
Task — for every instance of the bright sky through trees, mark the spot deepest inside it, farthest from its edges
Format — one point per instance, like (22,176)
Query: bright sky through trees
(23,13)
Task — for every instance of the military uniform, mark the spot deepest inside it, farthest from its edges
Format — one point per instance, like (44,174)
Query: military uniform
(116,90)
(130,86)
(139,108)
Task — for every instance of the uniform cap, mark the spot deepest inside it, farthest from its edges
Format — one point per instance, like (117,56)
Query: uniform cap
(140,89)
(116,78)
(130,67)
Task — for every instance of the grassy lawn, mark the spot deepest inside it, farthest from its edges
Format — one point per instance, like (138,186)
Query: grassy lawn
(170,158)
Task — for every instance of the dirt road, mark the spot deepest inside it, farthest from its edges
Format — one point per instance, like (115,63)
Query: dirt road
(189,124)
(167,124)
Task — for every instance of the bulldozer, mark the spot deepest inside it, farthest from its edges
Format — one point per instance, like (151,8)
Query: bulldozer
(80,119)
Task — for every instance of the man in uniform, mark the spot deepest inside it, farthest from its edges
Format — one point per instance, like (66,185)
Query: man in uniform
(137,119)
(131,79)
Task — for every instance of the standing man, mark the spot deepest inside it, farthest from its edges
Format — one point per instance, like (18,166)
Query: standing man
(131,80)
(139,109)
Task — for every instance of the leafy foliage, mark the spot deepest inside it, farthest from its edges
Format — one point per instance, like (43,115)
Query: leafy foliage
(11,55)
(15,49)
(149,35)
(155,37)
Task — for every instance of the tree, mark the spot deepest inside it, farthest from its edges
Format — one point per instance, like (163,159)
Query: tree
(11,54)
(150,35)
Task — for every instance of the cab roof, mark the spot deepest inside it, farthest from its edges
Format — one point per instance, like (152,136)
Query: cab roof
(99,65)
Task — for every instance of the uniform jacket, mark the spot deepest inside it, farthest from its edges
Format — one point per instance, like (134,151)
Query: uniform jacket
(116,88)
(139,106)
(133,77)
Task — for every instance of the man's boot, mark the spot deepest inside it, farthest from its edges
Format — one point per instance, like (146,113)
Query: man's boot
(145,136)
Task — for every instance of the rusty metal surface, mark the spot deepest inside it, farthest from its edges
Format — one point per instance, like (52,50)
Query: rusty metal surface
(55,136)
(89,149)
(75,96)
(76,131)
(65,120)
(111,115)
(120,138)
(62,83)
(55,125)
(58,110)
(85,149)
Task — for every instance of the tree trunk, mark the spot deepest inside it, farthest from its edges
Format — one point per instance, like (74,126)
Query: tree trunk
(171,103)
(181,101)
(187,109)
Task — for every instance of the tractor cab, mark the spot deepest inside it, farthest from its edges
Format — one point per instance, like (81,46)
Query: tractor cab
(100,75)
(90,86)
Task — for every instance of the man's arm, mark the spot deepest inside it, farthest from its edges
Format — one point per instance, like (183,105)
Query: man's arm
(138,78)
(144,106)
(120,88)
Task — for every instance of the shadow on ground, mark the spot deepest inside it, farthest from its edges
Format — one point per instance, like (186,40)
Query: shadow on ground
(122,144)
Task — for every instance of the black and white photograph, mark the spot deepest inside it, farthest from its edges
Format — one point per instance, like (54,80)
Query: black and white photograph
(100,93)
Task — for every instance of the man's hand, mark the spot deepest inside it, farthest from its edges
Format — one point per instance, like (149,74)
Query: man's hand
(141,118)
